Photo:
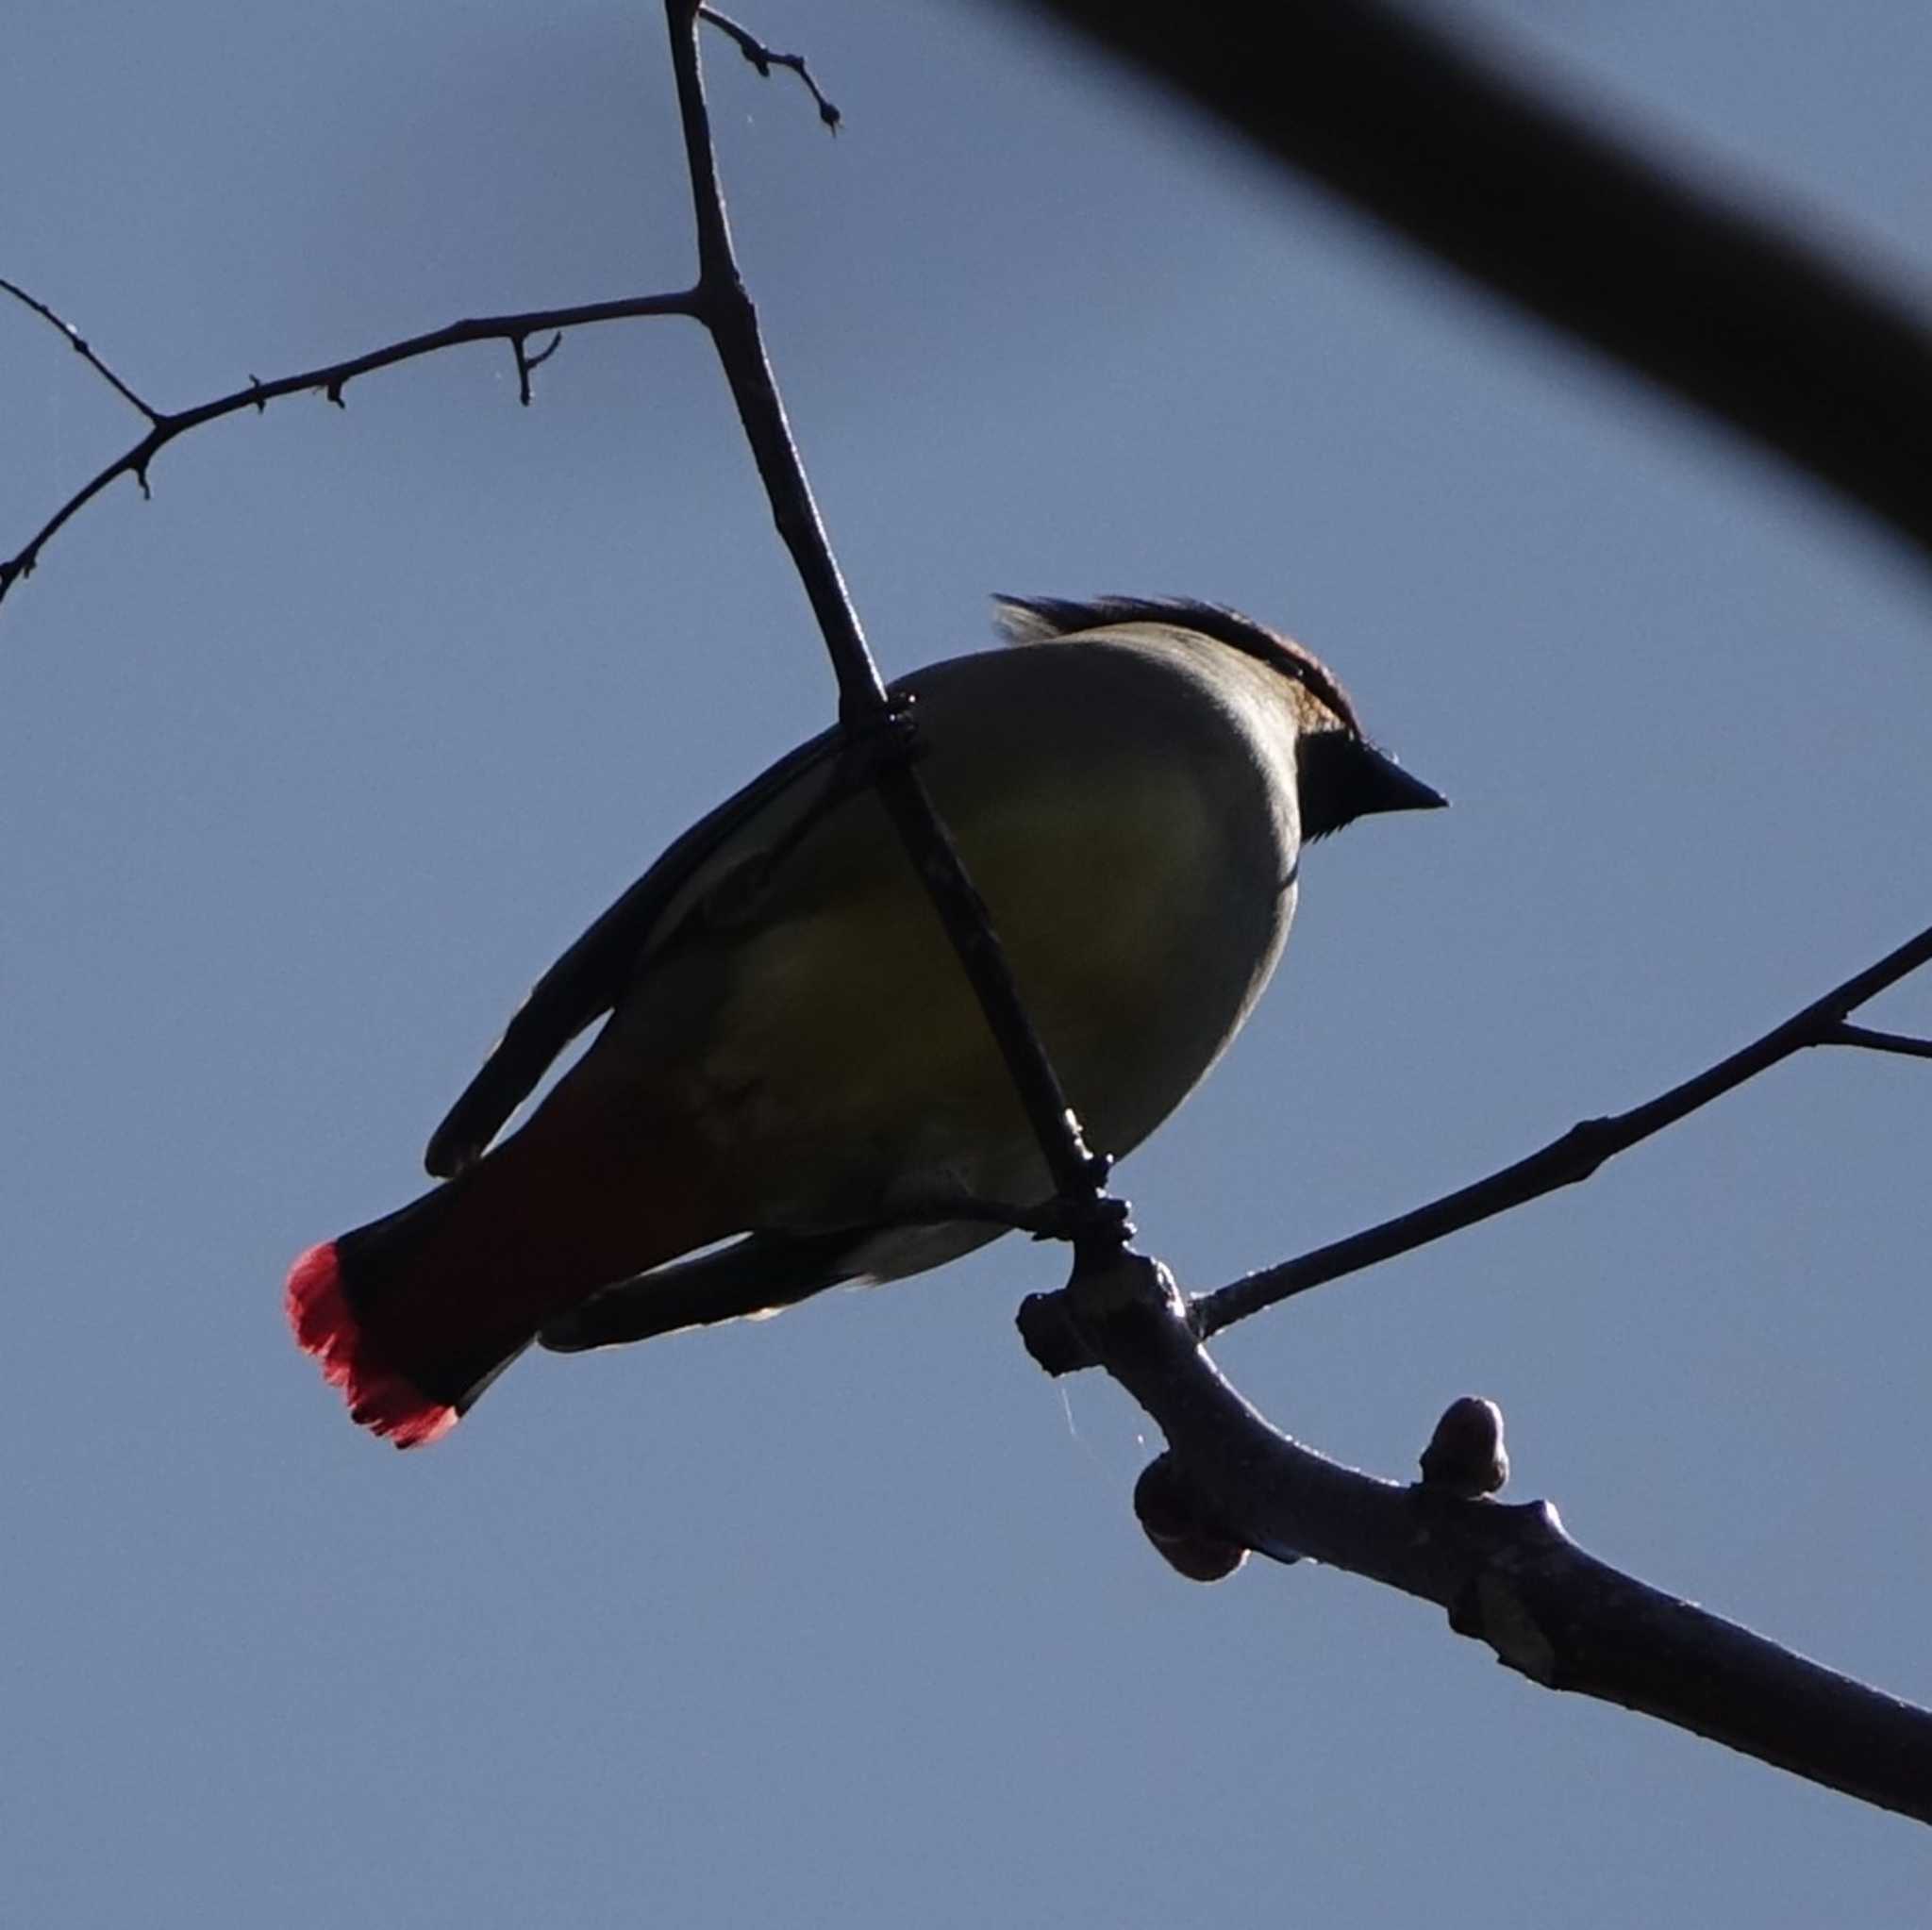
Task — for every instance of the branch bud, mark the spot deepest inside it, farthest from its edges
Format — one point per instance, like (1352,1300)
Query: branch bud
(1465,1456)
(1172,1514)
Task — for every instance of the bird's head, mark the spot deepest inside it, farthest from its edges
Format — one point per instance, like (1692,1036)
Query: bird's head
(1339,775)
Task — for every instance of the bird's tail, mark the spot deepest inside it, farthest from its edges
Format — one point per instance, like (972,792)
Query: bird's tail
(414,1315)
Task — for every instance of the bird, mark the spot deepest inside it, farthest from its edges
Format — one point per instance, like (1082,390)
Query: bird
(793,1085)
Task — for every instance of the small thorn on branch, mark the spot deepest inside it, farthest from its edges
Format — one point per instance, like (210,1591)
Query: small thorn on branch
(764,59)
(1466,1456)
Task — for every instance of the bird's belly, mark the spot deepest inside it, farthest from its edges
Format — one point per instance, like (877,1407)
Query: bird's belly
(852,1065)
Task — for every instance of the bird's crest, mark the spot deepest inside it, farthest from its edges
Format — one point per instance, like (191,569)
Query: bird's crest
(1041,619)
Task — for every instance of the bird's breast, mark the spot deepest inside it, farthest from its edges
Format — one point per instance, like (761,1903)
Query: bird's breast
(1141,896)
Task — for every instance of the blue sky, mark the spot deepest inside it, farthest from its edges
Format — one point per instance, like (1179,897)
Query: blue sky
(310,764)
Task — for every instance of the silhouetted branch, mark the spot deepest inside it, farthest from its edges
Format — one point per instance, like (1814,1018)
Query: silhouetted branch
(1508,1577)
(1878,1042)
(75,342)
(329,380)
(764,59)
(1577,1154)
(720,303)
(1610,243)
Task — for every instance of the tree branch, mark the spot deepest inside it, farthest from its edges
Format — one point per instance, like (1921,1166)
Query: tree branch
(875,724)
(79,347)
(1577,1155)
(330,380)
(1508,1577)
(1878,1042)
(764,59)
(1611,244)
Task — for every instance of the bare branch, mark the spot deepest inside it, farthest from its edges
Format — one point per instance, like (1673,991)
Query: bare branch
(1508,1577)
(864,709)
(764,59)
(79,347)
(1878,1042)
(1575,1154)
(1603,239)
(525,362)
(330,380)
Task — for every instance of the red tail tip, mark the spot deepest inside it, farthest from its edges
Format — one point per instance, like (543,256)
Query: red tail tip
(380,1398)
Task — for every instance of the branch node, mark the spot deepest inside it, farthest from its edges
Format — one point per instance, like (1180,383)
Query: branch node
(1049,1334)
(260,400)
(1466,1456)
(1180,1522)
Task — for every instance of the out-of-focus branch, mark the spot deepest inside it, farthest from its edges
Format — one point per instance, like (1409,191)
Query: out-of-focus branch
(1508,1577)
(1612,243)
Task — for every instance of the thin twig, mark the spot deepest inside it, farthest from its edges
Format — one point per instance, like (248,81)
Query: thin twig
(1610,243)
(764,59)
(1878,1042)
(527,361)
(1508,1577)
(79,345)
(726,309)
(331,380)
(1577,1154)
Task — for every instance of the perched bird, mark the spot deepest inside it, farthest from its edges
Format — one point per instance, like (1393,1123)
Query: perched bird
(793,1054)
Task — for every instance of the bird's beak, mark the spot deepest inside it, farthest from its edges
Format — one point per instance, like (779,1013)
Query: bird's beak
(1378,783)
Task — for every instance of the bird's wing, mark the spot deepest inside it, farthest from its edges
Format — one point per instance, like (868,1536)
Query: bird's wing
(747,1280)
(590,978)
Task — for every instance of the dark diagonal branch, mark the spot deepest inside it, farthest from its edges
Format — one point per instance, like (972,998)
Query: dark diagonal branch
(1608,242)
(722,304)
(329,380)
(1508,1577)
(1577,1154)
